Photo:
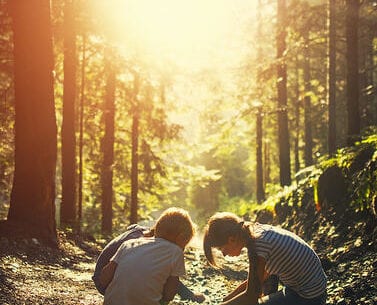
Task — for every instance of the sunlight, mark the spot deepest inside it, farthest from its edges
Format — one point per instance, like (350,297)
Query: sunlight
(184,38)
(191,33)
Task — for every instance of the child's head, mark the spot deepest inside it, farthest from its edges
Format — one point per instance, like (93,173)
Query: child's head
(222,228)
(175,225)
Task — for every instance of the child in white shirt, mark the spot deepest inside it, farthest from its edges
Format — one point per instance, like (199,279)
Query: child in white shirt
(146,271)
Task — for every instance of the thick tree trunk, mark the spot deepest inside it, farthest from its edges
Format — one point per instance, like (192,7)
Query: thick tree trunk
(68,204)
(283,135)
(352,27)
(108,147)
(33,193)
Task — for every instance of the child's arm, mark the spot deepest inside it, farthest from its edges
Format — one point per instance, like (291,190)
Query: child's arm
(198,297)
(107,274)
(250,296)
(270,284)
(170,288)
(238,290)
(187,294)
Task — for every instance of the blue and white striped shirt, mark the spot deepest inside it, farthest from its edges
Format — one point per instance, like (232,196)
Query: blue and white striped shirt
(291,259)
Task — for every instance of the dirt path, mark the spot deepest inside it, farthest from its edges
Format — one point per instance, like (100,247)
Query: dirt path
(34,274)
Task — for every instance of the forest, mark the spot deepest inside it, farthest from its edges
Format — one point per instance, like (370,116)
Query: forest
(112,111)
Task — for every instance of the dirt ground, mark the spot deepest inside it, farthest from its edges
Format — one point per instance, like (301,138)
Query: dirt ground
(31,273)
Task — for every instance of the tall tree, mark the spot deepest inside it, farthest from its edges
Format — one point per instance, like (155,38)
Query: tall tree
(135,151)
(282,109)
(68,205)
(81,127)
(33,192)
(297,104)
(259,155)
(353,90)
(259,120)
(6,102)
(108,144)
(332,78)
(308,155)
(368,68)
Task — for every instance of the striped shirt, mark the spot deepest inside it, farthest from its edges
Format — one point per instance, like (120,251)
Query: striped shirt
(291,259)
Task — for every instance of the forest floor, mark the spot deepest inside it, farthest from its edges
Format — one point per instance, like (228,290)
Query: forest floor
(31,273)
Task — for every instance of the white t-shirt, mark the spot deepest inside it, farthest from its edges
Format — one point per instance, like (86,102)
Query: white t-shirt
(143,266)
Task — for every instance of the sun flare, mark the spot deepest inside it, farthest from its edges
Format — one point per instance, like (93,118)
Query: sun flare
(189,32)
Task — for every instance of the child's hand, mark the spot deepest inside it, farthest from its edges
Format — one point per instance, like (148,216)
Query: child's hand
(198,297)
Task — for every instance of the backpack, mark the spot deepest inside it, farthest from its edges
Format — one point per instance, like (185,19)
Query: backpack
(133,231)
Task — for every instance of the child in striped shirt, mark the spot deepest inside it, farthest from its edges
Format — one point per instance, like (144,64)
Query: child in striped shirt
(272,251)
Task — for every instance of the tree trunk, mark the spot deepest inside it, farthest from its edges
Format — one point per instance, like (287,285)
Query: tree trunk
(332,78)
(259,121)
(260,188)
(283,135)
(33,193)
(297,118)
(367,81)
(68,204)
(108,147)
(372,79)
(81,130)
(267,166)
(352,26)
(297,134)
(308,156)
(135,153)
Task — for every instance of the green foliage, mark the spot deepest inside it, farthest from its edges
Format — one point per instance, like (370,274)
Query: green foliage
(359,166)
(237,205)
(244,206)
(363,182)
(210,164)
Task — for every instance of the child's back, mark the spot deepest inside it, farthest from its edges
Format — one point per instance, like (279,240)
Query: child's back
(146,271)
(144,265)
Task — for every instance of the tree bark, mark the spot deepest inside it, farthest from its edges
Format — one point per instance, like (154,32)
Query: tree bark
(33,193)
(332,78)
(283,135)
(135,154)
(68,205)
(259,121)
(308,156)
(297,119)
(81,130)
(260,188)
(352,26)
(108,147)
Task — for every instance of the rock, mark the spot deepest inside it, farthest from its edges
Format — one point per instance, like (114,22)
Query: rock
(332,189)
(341,302)
(35,241)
